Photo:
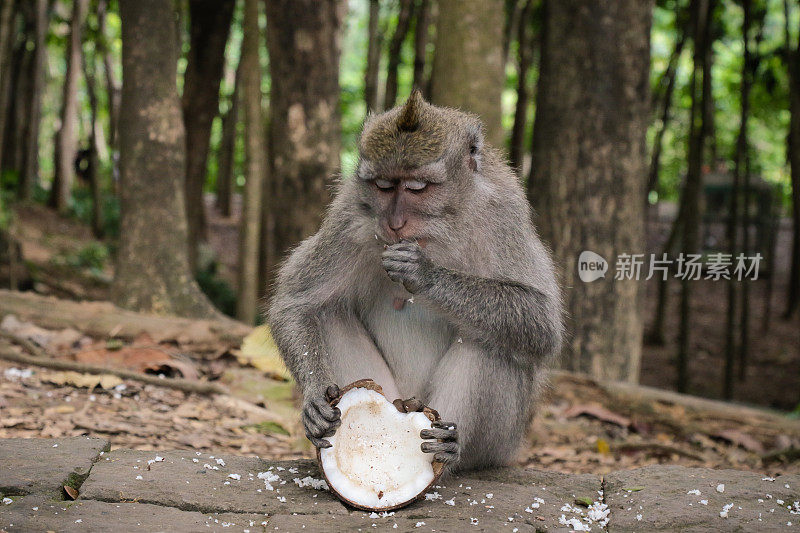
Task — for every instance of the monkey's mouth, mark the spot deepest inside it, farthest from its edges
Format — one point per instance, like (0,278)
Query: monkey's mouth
(375,461)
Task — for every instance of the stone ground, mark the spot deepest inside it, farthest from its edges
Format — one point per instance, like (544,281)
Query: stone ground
(127,490)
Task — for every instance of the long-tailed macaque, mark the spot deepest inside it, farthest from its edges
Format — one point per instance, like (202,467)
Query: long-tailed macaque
(428,277)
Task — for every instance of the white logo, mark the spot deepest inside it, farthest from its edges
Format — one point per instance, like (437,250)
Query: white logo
(591,266)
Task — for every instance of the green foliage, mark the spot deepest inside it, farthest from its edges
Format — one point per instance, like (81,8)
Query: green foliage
(92,257)
(81,208)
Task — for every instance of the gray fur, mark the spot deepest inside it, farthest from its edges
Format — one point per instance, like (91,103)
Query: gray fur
(483,310)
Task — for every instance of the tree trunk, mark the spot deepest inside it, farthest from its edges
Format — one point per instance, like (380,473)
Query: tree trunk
(29,177)
(690,238)
(395,47)
(66,137)
(92,171)
(525,43)
(468,68)
(588,168)
(374,45)
(793,154)
(421,32)
(226,176)
(7,35)
(512,11)
(152,270)
(20,81)
(668,81)
(112,85)
(255,167)
(304,42)
(210,23)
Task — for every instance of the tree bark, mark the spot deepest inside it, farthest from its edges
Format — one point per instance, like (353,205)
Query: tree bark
(525,43)
(255,167)
(152,270)
(588,168)
(374,45)
(29,175)
(7,35)
(421,32)
(210,22)
(395,47)
(690,238)
(468,69)
(304,42)
(226,178)
(66,137)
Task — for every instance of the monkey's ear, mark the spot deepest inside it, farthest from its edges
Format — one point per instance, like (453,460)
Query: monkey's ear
(410,114)
(475,139)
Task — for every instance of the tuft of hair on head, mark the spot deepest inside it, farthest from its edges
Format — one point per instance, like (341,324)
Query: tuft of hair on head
(410,113)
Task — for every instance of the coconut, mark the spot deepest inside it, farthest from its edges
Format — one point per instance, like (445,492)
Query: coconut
(375,462)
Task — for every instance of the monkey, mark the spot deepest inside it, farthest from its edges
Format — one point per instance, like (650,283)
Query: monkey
(426,275)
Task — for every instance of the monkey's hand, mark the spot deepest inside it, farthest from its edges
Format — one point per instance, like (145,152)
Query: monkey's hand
(406,263)
(320,420)
(446,448)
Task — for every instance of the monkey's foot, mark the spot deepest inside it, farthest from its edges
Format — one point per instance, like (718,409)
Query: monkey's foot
(320,420)
(446,448)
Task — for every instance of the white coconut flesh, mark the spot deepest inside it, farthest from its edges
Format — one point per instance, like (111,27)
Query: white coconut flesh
(375,458)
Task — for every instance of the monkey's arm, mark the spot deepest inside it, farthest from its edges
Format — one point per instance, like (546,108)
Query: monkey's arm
(302,300)
(495,312)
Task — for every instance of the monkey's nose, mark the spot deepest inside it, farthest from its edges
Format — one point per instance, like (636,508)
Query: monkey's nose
(397,223)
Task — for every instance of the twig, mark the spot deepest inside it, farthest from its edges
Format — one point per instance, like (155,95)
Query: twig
(39,358)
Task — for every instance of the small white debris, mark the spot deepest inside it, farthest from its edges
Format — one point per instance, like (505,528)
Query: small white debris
(574,524)
(237,477)
(16,374)
(433,496)
(78,521)
(55,445)
(282,499)
(419,524)
(490,495)
(767,478)
(195,460)
(721,488)
(703,502)
(209,467)
(7,501)
(787,485)
(451,502)
(220,462)
(473,521)
(639,517)
(268,478)
(35,508)
(725,509)
(293,470)
(139,477)
(308,481)
(694,491)
(779,502)
(795,508)
(158,459)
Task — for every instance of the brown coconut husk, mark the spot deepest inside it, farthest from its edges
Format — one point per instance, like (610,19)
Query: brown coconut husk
(438,466)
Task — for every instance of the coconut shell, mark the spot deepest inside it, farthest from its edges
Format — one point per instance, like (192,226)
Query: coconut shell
(438,466)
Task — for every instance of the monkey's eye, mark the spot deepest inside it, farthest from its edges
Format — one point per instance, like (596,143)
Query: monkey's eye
(415,186)
(384,185)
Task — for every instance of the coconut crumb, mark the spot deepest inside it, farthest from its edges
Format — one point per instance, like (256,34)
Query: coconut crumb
(433,496)
(308,481)
(451,502)
(236,477)
(721,488)
(694,491)
(268,478)
(725,509)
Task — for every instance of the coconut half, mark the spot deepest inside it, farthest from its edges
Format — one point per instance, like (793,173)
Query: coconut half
(375,461)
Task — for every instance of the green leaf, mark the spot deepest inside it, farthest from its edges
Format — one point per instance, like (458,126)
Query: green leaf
(633,489)
(267,428)
(585,501)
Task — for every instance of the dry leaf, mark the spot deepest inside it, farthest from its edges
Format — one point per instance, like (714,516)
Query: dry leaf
(259,350)
(598,412)
(71,492)
(87,381)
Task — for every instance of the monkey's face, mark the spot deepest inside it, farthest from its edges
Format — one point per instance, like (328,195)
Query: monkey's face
(417,167)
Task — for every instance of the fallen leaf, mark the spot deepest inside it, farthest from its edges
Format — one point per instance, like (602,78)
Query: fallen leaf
(585,501)
(259,350)
(598,412)
(71,492)
(603,447)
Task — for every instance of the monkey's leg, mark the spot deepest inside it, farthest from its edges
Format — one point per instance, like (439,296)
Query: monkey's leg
(354,356)
(486,398)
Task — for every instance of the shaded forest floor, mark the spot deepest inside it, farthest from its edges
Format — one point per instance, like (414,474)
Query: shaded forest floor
(582,426)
